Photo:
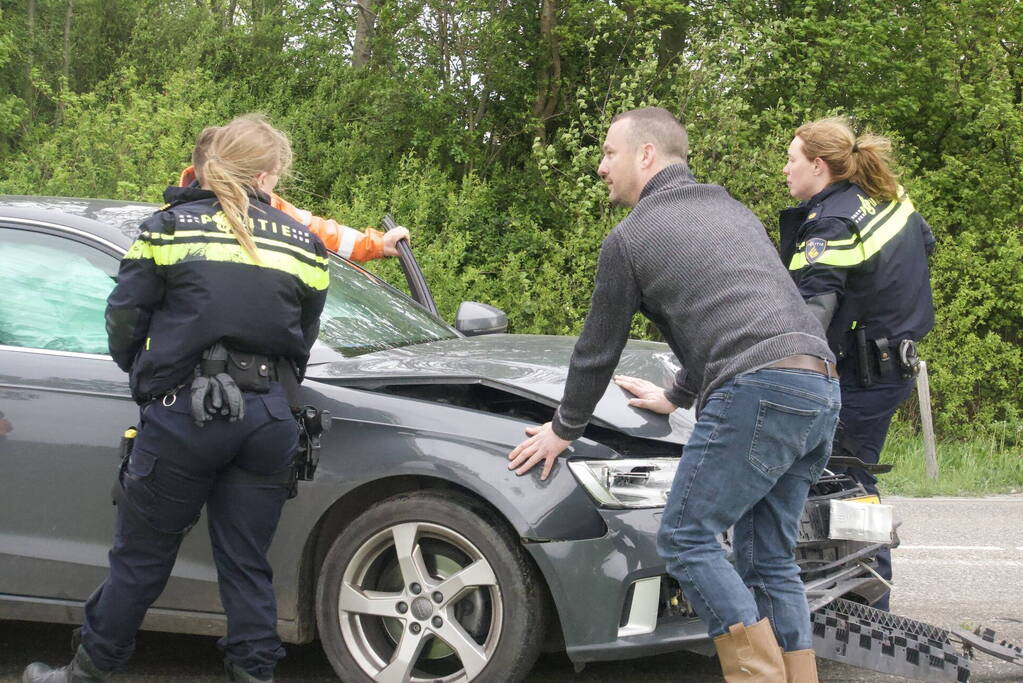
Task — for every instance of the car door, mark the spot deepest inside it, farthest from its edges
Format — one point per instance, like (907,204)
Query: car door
(64,406)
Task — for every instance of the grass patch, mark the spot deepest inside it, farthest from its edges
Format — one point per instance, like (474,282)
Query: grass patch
(987,463)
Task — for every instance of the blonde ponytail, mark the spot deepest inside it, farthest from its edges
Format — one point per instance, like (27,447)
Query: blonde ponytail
(871,167)
(865,160)
(234,202)
(235,157)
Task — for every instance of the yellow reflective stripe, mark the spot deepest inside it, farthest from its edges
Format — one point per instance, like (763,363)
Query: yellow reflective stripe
(837,243)
(895,210)
(140,249)
(843,258)
(184,234)
(874,236)
(169,254)
(876,239)
(876,220)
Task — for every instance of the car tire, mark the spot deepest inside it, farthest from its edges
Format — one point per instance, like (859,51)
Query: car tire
(429,587)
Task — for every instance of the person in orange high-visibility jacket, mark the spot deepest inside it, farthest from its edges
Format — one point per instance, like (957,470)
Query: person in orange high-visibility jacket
(343,240)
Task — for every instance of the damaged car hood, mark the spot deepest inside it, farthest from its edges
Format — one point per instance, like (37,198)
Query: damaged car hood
(530,366)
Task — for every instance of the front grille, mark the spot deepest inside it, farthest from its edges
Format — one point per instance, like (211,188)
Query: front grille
(815,551)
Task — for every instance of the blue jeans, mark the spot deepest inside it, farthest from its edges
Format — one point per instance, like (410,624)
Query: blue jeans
(761,440)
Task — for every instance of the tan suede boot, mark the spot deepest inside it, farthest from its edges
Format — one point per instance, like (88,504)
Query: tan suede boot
(750,654)
(800,666)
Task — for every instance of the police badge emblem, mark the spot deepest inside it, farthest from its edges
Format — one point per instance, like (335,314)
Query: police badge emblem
(220,220)
(814,249)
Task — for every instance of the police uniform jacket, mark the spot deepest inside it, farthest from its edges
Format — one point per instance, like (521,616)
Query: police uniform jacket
(186,283)
(872,254)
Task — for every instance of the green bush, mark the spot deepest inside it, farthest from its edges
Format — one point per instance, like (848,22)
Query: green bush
(479,126)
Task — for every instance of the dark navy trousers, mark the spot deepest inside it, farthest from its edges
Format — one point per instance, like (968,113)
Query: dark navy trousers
(866,416)
(175,469)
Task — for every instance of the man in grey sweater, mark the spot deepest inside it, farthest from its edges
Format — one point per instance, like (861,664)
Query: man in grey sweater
(755,363)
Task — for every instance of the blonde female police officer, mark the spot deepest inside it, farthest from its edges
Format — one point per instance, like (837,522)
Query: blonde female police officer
(216,268)
(857,251)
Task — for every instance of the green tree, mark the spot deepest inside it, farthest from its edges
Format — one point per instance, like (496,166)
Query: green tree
(479,124)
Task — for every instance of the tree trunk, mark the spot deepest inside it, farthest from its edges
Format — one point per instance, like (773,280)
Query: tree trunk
(672,41)
(549,80)
(444,44)
(66,85)
(365,23)
(30,91)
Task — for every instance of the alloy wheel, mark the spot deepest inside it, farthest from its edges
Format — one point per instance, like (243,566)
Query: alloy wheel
(420,602)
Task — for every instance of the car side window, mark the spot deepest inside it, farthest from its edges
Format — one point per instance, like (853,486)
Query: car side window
(53,292)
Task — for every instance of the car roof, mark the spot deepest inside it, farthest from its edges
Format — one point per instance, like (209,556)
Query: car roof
(109,219)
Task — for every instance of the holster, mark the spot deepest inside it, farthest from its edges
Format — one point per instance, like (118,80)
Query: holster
(124,450)
(250,371)
(863,353)
(885,358)
(881,360)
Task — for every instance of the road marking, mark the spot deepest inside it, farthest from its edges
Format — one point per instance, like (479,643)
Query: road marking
(952,547)
(904,500)
(931,562)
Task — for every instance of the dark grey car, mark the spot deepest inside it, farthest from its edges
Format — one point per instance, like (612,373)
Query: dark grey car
(414,554)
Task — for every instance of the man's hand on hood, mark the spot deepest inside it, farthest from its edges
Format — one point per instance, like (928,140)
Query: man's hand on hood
(542,445)
(648,395)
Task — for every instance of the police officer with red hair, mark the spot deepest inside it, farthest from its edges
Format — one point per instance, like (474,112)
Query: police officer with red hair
(857,250)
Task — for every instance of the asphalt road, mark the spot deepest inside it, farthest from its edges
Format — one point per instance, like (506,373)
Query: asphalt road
(961,560)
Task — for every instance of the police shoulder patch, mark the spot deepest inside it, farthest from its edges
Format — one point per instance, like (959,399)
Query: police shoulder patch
(814,249)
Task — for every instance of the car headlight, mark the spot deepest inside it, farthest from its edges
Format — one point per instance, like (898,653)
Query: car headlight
(631,483)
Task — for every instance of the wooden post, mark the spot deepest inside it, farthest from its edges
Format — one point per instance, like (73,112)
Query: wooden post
(923,392)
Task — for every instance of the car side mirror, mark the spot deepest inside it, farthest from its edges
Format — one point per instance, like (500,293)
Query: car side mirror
(474,318)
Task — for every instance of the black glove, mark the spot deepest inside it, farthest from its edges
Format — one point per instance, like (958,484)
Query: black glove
(217,395)
(229,398)
(215,398)
(200,387)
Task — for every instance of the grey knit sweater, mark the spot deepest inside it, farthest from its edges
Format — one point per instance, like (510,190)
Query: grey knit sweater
(700,266)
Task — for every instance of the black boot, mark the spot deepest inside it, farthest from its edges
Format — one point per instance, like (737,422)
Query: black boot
(236,673)
(80,670)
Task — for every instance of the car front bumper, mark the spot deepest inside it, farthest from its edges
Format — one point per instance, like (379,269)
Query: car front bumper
(614,600)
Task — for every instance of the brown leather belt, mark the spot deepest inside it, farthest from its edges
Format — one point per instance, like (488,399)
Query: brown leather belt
(805,362)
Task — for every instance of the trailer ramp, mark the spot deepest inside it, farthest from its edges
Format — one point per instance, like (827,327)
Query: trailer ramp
(987,641)
(869,638)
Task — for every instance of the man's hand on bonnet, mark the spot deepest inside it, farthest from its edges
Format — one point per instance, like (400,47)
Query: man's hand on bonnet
(543,445)
(648,395)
